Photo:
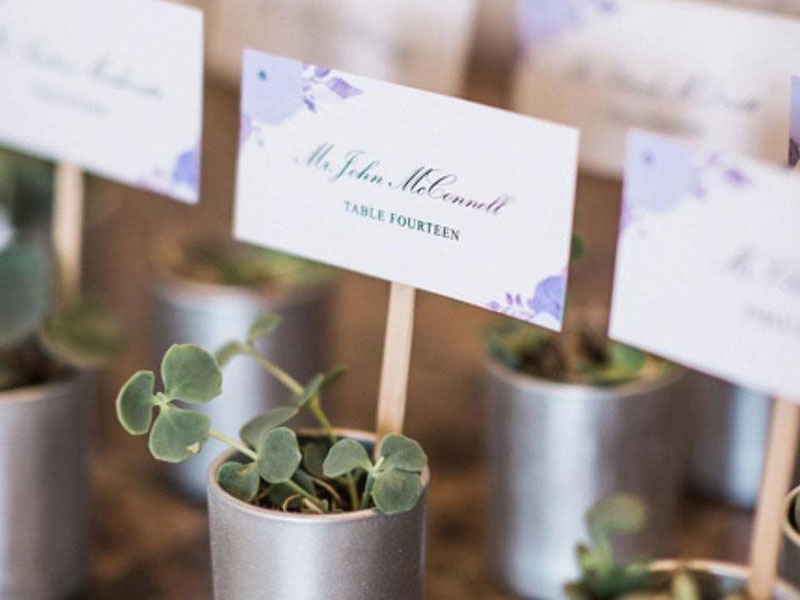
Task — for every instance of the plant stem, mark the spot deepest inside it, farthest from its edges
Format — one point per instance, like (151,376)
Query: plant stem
(233,444)
(299,490)
(287,380)
(370,484)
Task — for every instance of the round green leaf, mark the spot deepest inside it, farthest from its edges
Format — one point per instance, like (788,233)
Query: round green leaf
(615,515)
(135,403)
(240,481)
(314,454)
(85,335)
(264,325)
(345,456)
(401,452)
(397,491)
(178,434)
(278,455)
(260,425)
(23,291)
(191,374)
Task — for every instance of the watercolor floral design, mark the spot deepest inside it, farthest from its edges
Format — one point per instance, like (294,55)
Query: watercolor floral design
(181,180)
(547,299)
(661,174)
(542,21)
(277,88)
(794,125)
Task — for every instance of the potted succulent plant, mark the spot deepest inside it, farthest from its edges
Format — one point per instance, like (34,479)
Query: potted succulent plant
(604,577)
(44,496)
(561,405)
(790,566)
(305,514)
(208,290)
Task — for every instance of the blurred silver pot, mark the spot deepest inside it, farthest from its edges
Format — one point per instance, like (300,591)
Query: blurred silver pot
(208,314)
(260,554)
(724,576)
(44,496)
(728,442)
(554,449)
(790,563)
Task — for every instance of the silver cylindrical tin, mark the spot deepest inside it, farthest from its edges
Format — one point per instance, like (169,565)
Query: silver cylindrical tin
(728,577)
(790,560)
(554,449)
(730,425)
(260,554)
(211,315)
(44,497)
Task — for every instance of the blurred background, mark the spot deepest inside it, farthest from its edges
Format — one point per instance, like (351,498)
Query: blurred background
(149,537)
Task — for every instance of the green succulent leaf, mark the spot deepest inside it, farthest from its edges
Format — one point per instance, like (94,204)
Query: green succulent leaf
(85,335)
(278,455)
(629,359)
(279,493)
(345,456)
(228,352)
(397,491)
(401,452)
(23,293)
(191,374)
(263,326)
(314,455)
(135,403)
(621,514)
(178,434)
(240,481)
(251,433)
(311,389)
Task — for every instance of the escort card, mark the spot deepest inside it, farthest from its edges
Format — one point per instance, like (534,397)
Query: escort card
(675,67)
(794,125)
(414,42)
(441,194)
(112,86)
(708,263)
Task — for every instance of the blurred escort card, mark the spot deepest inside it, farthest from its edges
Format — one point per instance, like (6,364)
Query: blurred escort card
(113,86)
(704,72)
(452,197)
(708,263)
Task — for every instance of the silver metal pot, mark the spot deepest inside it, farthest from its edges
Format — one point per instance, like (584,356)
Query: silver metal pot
(728,577)
(729,439)
(44,495)
(260,554)
(554,449)
(211,315)
(790,561)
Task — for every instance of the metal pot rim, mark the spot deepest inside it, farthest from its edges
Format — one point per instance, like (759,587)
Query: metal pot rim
(789,529)
(722,569)
(40,392)
(286,517)
(632,388)
(168,283)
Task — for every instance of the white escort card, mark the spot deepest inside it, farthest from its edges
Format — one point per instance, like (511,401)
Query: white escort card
(700,71)
(113,86)
(414,42)
(437,193)
(708,263)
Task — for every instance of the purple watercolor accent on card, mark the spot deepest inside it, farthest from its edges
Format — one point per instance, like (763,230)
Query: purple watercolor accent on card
(187,170)
(547,299)
(179,180)
(794,124)
(541,21)
(661,174)
(245,129)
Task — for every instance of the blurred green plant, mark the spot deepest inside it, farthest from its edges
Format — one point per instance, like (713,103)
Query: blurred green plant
(34,344)
(274,468)
(604,577)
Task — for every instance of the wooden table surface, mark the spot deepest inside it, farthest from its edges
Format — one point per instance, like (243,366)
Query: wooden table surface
(149,543)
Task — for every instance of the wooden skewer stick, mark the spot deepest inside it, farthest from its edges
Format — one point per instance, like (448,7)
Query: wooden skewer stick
(779,467)
(67,229)
(396,360)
